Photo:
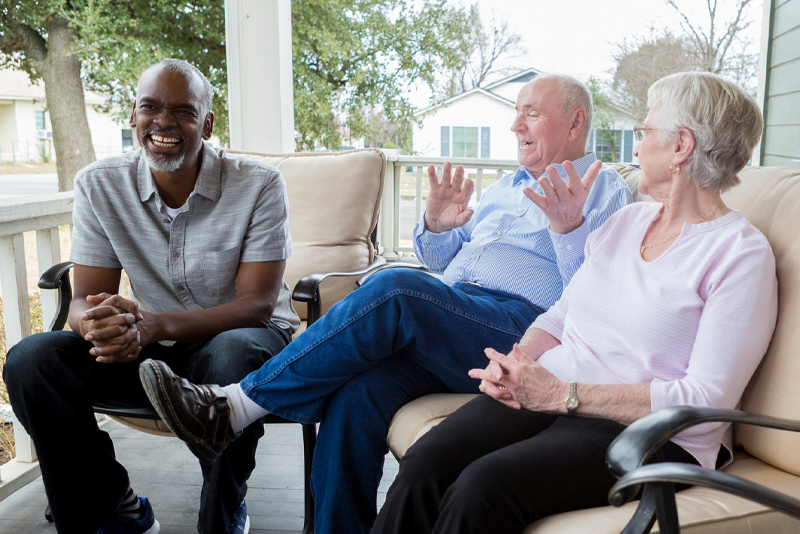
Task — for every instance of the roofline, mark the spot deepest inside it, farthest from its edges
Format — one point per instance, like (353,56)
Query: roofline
(452,99)
(511,77)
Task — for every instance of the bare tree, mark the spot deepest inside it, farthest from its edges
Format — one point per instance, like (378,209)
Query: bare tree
(715,44)
(640,62)
(718,45)
(488,48)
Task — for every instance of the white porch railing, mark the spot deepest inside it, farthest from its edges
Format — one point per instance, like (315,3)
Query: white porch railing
(42,214)
(405,189)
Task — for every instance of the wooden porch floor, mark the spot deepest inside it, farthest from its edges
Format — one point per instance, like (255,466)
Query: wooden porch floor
(163,470)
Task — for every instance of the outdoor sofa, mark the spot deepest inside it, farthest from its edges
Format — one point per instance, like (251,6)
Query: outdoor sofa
(769,197)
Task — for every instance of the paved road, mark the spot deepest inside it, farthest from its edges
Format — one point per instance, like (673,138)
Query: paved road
(19,185)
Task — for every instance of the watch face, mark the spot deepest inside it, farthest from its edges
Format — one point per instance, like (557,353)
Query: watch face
(571,403)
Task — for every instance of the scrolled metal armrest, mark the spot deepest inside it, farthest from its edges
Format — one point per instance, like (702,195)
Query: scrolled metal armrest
(643,438)
(54,277)
(307,288)
(57,277)
(380,268)
(681,473)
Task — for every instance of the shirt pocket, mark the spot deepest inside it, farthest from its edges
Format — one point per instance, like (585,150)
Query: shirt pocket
(219,272)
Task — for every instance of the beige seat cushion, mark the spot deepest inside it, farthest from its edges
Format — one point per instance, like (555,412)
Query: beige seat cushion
(420,415)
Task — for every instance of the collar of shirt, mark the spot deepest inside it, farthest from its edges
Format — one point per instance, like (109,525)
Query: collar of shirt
(208,184)
(581,165)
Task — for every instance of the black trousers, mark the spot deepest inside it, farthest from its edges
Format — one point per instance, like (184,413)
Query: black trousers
(490,468)
(52,382)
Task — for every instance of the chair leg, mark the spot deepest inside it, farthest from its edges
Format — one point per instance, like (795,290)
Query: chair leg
(645,515)
(667,510)
(309,442)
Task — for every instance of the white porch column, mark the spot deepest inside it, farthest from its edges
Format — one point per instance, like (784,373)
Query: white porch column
(258,34)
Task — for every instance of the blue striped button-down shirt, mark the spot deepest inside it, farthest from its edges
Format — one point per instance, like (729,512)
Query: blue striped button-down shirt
(507,244)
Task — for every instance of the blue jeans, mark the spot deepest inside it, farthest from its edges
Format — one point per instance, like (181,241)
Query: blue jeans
(52,382)
(402,335)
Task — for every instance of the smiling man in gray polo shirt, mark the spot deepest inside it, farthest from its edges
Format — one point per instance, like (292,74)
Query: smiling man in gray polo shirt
(203,238)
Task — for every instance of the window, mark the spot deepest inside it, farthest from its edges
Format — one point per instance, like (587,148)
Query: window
(127,140)
(485,142)
(40,124)
(628,147)
(465,142)
(608,144)
(445,141)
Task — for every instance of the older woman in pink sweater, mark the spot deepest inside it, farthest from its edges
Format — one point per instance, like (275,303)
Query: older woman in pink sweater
(675,304)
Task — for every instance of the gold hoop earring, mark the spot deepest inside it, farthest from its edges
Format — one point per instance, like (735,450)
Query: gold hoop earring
(676,170)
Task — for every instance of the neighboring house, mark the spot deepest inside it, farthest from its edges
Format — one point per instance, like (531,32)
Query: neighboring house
(477,124)
(26,133)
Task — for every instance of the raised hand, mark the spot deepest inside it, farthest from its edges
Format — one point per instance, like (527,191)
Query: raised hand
(563,203)
(447,202)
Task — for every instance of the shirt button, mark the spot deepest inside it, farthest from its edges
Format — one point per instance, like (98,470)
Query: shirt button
(499,232)
(167,221)
(569,247)
(473,256)
(180,288)
(176,254)
(519,210)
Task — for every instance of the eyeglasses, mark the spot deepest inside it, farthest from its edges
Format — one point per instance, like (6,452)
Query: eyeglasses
(638,132)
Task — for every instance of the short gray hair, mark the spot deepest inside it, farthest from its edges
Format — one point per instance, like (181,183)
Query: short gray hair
(726,124)
(574,95)
(187,69)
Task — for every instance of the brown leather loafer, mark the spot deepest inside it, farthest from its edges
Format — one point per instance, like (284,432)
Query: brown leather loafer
(199,415)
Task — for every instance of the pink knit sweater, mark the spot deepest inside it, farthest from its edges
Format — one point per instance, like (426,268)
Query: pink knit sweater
(694,323)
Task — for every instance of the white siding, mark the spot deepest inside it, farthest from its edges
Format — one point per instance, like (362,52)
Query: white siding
(781,142)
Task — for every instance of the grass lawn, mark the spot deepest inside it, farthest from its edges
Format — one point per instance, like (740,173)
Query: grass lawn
(27,168)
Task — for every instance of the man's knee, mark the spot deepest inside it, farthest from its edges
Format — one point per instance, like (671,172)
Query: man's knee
(35,356)
(232,355)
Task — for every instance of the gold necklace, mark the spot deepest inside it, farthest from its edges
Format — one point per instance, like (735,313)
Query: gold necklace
(670,238)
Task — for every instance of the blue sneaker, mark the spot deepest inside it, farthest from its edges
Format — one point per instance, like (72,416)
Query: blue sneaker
(241,521)
(129,525)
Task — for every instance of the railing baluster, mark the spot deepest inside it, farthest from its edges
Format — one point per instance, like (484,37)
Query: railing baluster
(48,253)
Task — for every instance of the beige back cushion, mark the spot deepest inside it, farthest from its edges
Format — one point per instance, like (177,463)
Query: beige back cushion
(769,197)
(333,207)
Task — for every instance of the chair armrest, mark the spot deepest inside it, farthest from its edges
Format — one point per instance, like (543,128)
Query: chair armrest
(643,438)
(680,473)
(379,268)
(57,277)
(307,288)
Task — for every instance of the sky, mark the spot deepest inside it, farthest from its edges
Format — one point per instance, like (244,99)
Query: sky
(578,37)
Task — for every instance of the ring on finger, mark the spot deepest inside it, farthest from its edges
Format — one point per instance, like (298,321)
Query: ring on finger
(500,386)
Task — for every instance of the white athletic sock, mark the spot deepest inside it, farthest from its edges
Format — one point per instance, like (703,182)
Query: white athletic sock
(243,410)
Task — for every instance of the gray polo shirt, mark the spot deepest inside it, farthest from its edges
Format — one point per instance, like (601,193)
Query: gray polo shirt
(238,212)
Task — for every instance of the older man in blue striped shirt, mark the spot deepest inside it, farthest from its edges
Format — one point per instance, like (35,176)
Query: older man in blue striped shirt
(405,334)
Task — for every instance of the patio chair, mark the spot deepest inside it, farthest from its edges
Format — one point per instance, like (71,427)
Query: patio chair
(760,490)
(333,211)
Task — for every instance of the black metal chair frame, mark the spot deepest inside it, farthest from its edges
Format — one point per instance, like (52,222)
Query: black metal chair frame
(641,442)
(307,290)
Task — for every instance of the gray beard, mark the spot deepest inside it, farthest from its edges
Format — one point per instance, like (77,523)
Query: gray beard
(163,163)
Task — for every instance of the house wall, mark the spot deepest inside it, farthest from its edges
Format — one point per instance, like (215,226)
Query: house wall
(780,89)
(106,133)
(476,110)
(8,122)
(509,90)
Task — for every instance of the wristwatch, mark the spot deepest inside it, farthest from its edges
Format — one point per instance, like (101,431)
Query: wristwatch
(572,402)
